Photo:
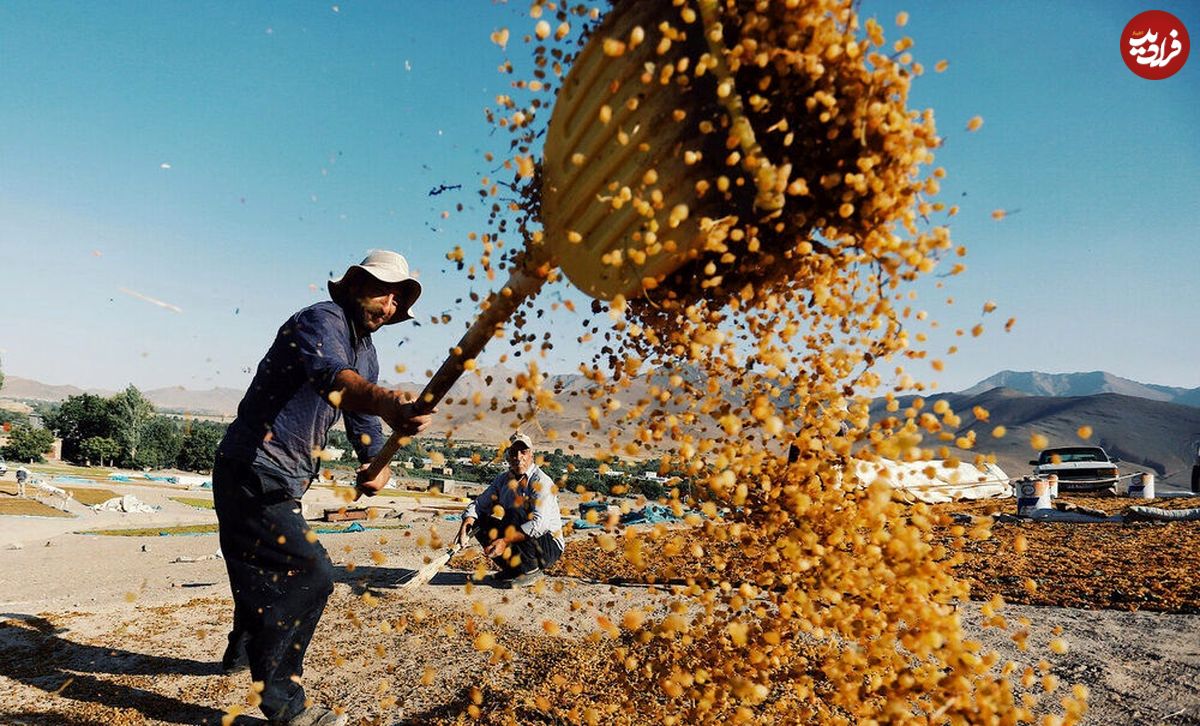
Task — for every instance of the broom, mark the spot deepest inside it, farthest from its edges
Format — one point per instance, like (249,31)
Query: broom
(429,571)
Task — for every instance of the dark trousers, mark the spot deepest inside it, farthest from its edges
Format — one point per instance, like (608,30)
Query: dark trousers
(540,552)
(280,580)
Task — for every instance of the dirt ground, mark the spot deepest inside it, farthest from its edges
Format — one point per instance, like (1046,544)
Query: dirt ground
(1100,566)
(119,630)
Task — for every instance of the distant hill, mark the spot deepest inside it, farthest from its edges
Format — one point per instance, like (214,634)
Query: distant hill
(1191,398)
(1036,383)
(1145,434)
(487,421)
(458,412)
(213,402)
(30,390)
(1146,425)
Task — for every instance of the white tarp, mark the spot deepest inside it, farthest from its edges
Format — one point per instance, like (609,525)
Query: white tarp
(964,481)
(127,503)
(194,482)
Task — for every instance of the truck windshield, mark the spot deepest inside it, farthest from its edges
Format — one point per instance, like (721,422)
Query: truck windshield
(1066,456)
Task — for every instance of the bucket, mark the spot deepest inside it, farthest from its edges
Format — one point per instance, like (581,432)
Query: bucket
(1032,494)
(1141,486)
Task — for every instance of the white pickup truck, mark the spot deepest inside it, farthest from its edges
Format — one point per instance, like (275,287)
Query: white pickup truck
(1079,468)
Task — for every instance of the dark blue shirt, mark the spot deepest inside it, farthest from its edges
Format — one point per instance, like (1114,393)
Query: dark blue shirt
(284,419)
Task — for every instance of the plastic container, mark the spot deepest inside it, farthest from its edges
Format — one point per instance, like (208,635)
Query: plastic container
(1141,486)
(1032,494)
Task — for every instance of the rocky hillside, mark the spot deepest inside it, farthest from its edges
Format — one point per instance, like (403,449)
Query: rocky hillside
(1035,383)
(1146,434)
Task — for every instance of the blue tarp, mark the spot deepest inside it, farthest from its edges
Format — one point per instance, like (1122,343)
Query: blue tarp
(652,513)
(356,527)
(598,506)
(143,477)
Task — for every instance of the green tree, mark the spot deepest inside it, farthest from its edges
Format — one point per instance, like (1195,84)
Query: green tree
(99,449)
(339,440)
(410,450)
(483,472)
(131,413)
(588,479)
(554,464)
(1,378)
(650,489)
(26,443)
(161,441)
(198,449)
(8,419)
(80,418)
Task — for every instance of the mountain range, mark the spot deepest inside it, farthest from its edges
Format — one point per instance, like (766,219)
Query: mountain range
(1148,426)
(213,401)
(1035,383)
(1145,434)
(495,381)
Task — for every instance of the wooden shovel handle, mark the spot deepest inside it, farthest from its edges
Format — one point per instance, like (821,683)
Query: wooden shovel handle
(523,283)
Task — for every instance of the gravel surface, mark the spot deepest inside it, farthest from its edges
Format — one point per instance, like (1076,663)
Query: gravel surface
(94,630)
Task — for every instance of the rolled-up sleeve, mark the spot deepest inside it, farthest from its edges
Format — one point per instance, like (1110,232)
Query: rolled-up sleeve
(544,517)
(323,345)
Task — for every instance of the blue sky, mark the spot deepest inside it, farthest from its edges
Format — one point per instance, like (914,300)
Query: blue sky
(226,157)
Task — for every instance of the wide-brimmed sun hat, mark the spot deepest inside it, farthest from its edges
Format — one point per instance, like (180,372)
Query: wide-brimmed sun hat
(388,267)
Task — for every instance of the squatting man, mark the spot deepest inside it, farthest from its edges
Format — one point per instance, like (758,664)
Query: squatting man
(516,518)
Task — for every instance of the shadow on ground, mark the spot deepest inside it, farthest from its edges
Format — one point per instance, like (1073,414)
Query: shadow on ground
(361,579)
(34,652)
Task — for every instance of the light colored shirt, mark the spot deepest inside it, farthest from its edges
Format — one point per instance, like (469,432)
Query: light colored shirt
(532,497)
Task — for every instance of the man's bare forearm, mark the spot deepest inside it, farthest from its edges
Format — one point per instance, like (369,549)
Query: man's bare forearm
(362,396)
